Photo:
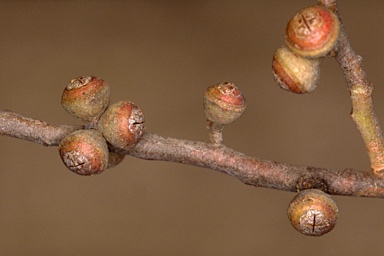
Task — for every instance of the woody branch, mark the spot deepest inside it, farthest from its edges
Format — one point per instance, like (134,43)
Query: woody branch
(250,170)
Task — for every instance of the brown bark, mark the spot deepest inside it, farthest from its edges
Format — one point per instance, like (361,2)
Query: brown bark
(250,170)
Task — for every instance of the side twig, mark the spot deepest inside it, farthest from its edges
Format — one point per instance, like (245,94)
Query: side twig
(361,90)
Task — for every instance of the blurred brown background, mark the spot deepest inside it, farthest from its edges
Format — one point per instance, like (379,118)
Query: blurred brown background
(162,55)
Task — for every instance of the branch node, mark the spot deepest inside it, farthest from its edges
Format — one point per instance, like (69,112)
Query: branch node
(311,181)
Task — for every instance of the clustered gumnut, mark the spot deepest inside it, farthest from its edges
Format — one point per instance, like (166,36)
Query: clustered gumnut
(86,98)
(313,32)
(294,73)
(84,152)
(122,124)
(223,103)
(313,212)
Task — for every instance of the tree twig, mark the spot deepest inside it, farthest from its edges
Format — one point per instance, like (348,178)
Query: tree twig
(18,126)
(361,90)
(250,170)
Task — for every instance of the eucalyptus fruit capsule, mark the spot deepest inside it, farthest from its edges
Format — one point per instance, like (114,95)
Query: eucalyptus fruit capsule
(313,32)
(313,212)
(84,152)
(122,124)
(295,73)
(223,103)
(86,98)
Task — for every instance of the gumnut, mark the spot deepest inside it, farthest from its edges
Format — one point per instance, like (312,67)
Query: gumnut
(313,212)
(223,103)
(122,124)
(84,152)
(313,32)
(86,98)
(295,73)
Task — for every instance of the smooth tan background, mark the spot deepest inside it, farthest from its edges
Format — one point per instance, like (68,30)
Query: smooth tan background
(162,55)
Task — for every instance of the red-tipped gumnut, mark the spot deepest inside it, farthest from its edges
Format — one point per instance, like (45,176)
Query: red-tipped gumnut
(313,212)
(223,103)
(122,124)
(84,152)
(86,98)
(313,32)
(294,73)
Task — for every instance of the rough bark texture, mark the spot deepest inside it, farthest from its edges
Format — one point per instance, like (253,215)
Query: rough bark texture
(17,126)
